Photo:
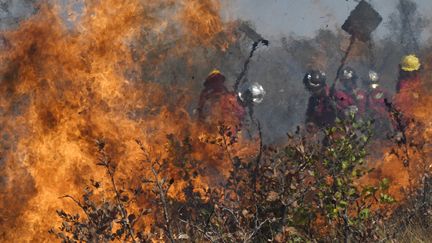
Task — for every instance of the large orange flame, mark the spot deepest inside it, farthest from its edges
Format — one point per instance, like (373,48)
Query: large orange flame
(63,88)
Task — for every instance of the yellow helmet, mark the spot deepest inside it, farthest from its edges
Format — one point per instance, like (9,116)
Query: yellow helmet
(215,71)
(410,63)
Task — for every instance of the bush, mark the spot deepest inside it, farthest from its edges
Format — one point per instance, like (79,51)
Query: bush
(305,191)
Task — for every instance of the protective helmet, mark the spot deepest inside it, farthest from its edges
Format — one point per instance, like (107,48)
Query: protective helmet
(373,76)
(214,71)
(410,63)
(251,92)
(215,77)
(348,73)
(314,79)
(373,79)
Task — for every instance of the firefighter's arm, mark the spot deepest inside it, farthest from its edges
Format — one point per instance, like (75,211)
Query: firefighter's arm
(201,103)
(310,111)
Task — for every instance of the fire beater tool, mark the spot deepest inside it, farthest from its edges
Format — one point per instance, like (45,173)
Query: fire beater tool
(360,24)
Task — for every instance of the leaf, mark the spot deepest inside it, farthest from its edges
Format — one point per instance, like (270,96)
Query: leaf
(345,165)
(385,198)
(120,232)
(131,217)
(343,203)
(272,196)
(146,211)
(364,214)
(384,184)
(124,198)
(183,237)
(351,192)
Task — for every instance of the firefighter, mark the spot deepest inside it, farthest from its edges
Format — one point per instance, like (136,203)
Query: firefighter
(251,94)
(214,87)
(218,105)
(375,95)
(375,104)
(409,69)
(320,110)
(409,83)
(349,99)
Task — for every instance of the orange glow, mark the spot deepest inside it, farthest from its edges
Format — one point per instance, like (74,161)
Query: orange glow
(63,89)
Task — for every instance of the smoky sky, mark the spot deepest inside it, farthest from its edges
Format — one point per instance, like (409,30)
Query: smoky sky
(271,18)
(275,18)
(281,66)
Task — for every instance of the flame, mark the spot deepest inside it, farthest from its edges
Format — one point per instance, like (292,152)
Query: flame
(63,88)
(202,22)
(414,103)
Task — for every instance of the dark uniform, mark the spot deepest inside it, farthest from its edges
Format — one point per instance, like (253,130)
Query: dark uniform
(320,111)
(375,105)
(350,99)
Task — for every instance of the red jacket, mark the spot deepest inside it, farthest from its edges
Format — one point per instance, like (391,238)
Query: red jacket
(320,110)
(408,93)
(218,105)
(345,100)
(360,98)
(375,102)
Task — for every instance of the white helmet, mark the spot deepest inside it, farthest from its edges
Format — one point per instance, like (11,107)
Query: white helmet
(373,79)
(251,92)
(373,76)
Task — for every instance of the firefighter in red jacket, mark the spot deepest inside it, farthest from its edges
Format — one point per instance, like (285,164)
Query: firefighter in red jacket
(350,99)
(409,83)
(218,105)
(320,110)
(375,104)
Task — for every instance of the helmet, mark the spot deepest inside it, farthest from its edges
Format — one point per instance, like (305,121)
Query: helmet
(214,71)
(348,73)
(373,76)
(251,93)
(214,78)
(410,63)
(373,79)
(314,79)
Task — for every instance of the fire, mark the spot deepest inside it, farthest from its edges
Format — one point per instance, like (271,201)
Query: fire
(203,22)
(406,179)
(64,88)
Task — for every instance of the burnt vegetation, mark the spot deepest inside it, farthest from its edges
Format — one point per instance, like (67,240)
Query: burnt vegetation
(311,186)
(305,191)
(311,189)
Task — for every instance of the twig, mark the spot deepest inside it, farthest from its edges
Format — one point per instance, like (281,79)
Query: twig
(258,157)
(162,191)
(257,228)
(162,194)
(225,143)
(398,118)
(105,161)
(80,205)
(199,229)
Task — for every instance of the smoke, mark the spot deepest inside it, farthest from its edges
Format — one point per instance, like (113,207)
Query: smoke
(407,25)
(75,73)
